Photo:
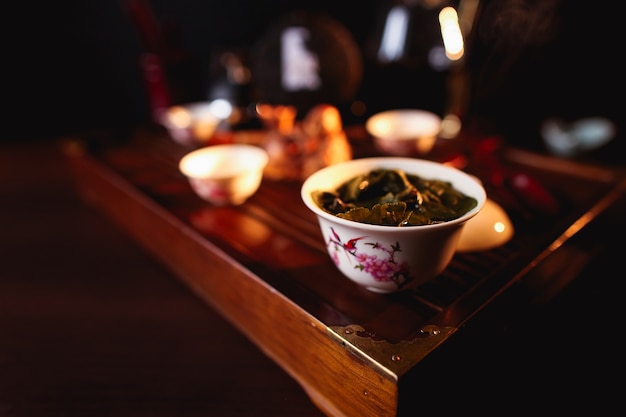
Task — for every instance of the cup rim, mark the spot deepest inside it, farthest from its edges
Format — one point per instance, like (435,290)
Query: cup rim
(430,125)
(258,158)
(338,173)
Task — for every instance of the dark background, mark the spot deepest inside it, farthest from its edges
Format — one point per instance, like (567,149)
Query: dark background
(74,65)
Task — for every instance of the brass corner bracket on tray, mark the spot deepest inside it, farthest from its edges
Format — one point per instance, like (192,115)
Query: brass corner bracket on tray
(393,359)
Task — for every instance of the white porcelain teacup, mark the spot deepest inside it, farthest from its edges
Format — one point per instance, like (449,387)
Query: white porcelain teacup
(226,174)
(386,258)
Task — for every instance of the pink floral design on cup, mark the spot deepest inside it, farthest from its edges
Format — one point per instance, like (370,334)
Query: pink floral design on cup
(382,268)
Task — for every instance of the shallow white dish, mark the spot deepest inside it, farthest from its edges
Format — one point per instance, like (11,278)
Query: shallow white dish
(489,229)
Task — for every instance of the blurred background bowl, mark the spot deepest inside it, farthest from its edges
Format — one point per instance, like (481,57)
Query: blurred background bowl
(404,132)
(195,123)
(225,174)
(387,259)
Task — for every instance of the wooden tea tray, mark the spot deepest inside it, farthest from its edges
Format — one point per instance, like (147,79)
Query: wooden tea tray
(264,267)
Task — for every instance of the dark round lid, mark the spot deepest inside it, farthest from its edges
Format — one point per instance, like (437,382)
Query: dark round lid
(306,59)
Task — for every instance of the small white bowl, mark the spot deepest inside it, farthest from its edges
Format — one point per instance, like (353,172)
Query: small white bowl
(387,259)
(404,132)
(225,174)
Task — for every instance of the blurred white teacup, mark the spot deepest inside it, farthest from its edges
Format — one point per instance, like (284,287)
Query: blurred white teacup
(404,132)
(195,123)
(226,174)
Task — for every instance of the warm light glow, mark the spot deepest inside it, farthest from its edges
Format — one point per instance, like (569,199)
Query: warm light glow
(199,166)
(450,126)
(179,117)
(383,127)
(328,118)
(451,33)
(277,117)
(203,130)
(264,111)
(499,227)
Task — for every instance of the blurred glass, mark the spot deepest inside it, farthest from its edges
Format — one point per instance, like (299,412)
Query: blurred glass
(305,59)
(407,56)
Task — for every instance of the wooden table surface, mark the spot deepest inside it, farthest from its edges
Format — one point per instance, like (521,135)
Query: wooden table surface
(91,325)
